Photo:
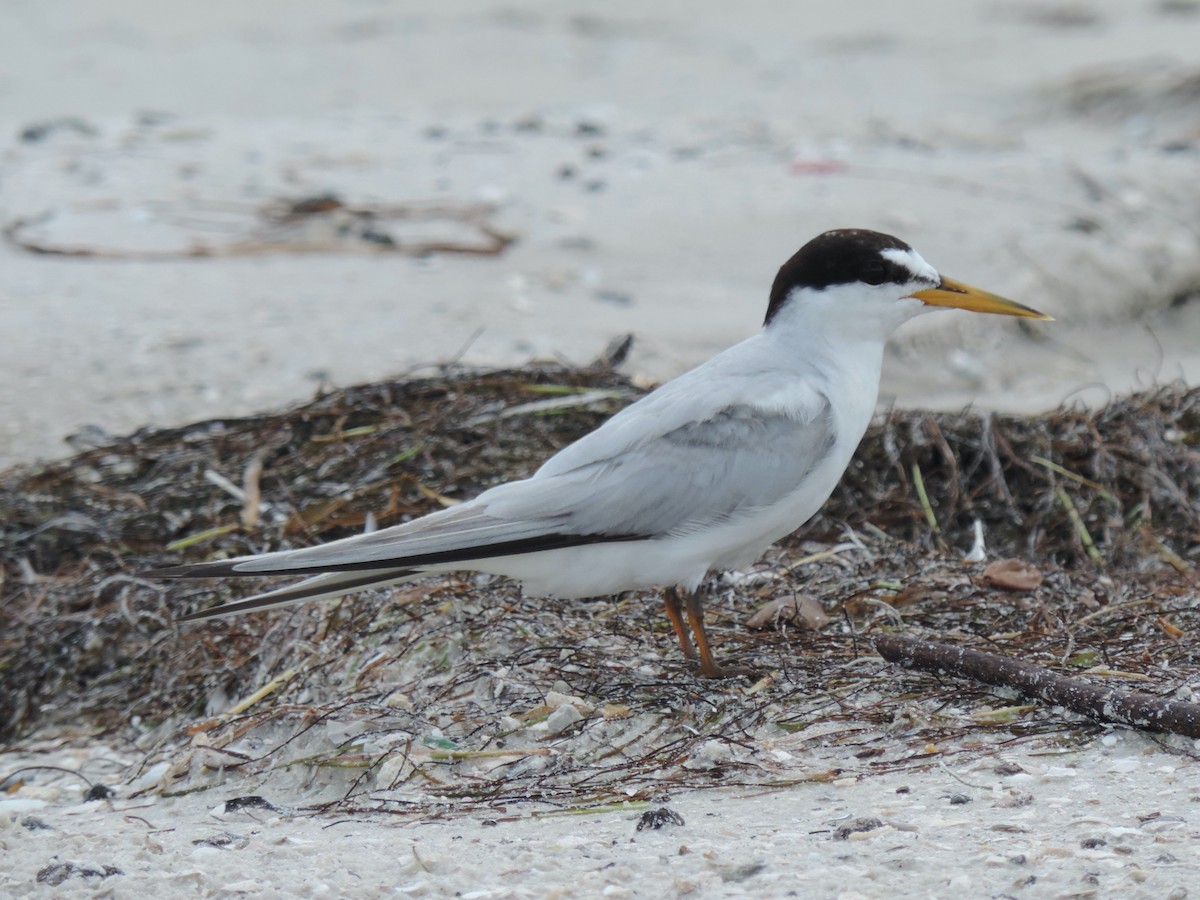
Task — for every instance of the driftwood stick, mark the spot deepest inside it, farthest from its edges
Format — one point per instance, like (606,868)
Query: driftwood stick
(1105,704)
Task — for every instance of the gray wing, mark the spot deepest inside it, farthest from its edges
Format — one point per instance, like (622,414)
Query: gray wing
(738,459)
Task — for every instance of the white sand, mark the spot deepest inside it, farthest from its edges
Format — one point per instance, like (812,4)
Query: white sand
(1041,150)
(964,128)
(1113,820)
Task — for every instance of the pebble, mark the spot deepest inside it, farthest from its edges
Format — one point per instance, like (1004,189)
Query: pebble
(389,770)
(20,805)
(556,700)
(563,718)
(708,755)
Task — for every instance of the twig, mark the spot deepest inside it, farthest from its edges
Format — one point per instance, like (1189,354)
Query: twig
(265,691)
(923,496)
(946,769)
(489,754)
(890,611)
(1079,479)
(1104,704)
(6,779)
(201,536)
(545,407)
(1085,536)
(214,477)
(251,485)
(1106,610)
(1178,563)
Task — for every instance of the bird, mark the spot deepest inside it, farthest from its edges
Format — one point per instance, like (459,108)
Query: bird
(701,475)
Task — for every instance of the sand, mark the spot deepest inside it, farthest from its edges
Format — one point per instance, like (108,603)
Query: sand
(1113,820)
(654,166)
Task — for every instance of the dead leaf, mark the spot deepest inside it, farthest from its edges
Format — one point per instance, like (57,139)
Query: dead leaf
(1012,575)
(1169,627)
(804,612)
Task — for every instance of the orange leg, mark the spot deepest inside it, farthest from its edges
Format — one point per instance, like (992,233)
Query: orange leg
(695,613)
(675,613)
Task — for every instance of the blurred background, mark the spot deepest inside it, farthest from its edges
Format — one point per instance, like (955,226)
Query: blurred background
(210,209)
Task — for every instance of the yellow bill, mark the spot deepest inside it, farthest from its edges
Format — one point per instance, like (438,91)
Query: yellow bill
(957,295)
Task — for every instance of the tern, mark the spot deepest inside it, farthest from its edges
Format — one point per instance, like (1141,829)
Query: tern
(701,475)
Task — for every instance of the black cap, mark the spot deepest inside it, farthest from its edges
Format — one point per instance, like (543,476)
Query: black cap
(842,256)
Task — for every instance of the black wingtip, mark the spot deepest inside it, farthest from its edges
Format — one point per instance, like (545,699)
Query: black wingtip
(317,588)
(166,572)
(234,607)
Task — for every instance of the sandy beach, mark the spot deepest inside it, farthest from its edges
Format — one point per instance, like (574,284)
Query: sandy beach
(213,210)
(654,170)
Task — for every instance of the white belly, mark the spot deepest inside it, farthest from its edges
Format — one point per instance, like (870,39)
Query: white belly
(594,570)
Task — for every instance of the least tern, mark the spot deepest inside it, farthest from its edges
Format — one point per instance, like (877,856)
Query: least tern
(701,475)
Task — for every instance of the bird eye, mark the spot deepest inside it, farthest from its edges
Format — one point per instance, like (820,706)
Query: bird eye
(874,272)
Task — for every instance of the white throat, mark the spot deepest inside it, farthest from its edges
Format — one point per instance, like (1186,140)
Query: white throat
(845,314)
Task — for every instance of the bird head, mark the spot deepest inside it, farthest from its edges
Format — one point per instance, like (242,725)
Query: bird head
(870,283)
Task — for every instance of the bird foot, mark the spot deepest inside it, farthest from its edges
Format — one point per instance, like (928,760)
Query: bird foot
(715,671)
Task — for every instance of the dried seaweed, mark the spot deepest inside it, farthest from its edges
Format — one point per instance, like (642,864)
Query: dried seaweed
(319,224)
(76,534)
(1131,470)
(462,693)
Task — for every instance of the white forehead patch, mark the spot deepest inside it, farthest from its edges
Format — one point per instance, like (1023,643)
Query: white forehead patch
(911,260)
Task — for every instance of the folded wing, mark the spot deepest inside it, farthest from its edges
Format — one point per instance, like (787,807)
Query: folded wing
(739,459)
